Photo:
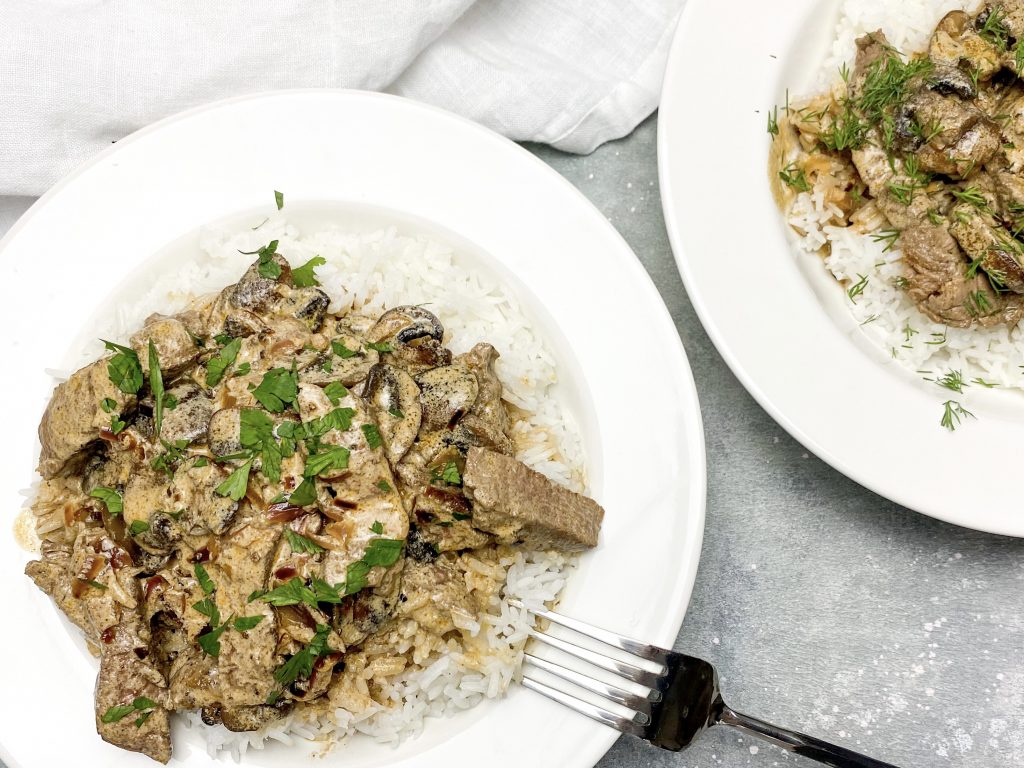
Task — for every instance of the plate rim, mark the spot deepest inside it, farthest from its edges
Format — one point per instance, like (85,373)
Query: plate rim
(689,399)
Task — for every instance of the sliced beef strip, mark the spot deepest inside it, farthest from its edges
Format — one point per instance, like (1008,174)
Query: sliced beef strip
(73,418)
(981,237)
(125,674)
(965,138)
(517,504)
(435,593)
(175,347)
(874,166)
(937,283)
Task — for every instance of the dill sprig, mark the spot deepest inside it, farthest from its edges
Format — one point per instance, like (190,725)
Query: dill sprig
(773,121)
(887,236)
(973,196)
(857,288)
(994,29)
(794,177)
(953,413)
(953,380)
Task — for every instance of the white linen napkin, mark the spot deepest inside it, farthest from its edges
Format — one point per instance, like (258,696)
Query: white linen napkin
(76,75)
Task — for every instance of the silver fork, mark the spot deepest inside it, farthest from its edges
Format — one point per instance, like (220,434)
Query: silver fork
(668,702)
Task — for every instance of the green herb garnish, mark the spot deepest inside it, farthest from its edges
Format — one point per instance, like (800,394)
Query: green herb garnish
(219,363)
(335,391)
(304,277)
(111,498)
(123,368)
(237,482)
(204,579)
(372,435)
(277,390)
(300,543)
(279,199)
(156,386)
(137,527)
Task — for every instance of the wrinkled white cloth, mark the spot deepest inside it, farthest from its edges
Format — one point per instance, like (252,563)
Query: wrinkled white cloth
(76,75)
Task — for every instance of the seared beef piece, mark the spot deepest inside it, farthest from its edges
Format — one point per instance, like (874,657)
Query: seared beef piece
(443,519)
(125,675)
(434,594)
(956,43)
(961,137)
(937,282)
(874,166)
(190,418)
(74,417)
(486,424)
(194,491)
(983,239)
(175,346)
(517,504)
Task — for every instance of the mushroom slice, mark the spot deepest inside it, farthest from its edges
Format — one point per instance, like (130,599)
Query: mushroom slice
(406,324)
(446,394)
(394,401)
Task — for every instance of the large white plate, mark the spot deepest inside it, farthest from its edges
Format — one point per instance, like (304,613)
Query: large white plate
(775,315)
(359,155)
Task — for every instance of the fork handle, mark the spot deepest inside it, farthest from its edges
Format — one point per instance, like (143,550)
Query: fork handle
(799,743)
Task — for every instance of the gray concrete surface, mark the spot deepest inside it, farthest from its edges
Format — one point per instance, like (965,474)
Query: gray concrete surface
(825,607)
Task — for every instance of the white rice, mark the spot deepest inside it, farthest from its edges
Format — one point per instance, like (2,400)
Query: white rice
(888,317)
(370,272)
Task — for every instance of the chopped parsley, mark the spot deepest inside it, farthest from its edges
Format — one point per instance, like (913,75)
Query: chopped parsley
(450,474)
(384,485)
(300,666)
(277,390)
(304,277)
(210,641)
(123,368)
(372,435)
(266,266)
(204,579)
(396,413)
(257,434)
(334,458)
(279,199)
(156,386)
(342,351)
(218,365)
(380,347)
(236,484)
(111,498)
(292,592)
(304,495)
(118,712)
(383,552)
(137,527)
(300,543)
(335,391)
(108,404)
(244,623)
(377,527)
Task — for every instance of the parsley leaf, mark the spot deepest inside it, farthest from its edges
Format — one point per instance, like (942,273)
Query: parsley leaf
(137,527)
(257,433)
(355,577)
(304,495)
(236,484)
(324,592)
(380,347)
(267,266)
(335,457)
(123,368)
(293,592)
(279,199)
(335,391)
(396,413)
(377,527)
(303,277)
(209,609)
(300,665)
(372,435)
(383,552)
(156,386)
(111,498)
(243,623)
(121,711)
(384,485)
(450,474)
(277,390)
(210,641)
(202,461)
(108,404)
(204,579)
(342,351)
(300,543)
(218,365)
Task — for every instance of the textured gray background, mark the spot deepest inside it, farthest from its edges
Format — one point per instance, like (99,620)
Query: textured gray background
(825,607)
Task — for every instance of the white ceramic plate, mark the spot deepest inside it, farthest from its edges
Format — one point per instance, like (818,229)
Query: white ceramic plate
(378,158)
(776,315)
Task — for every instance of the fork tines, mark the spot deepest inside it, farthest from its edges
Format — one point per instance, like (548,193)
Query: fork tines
(625,704)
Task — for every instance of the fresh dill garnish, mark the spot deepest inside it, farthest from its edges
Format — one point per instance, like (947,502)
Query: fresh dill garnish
(979,303)
(909,332)
(887,236)
(901,282)
(994,30)
(938,338)
(794,177)
(857,288)
(953,413)
(952,380)
(971,195)
(981,382)
(773,122)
